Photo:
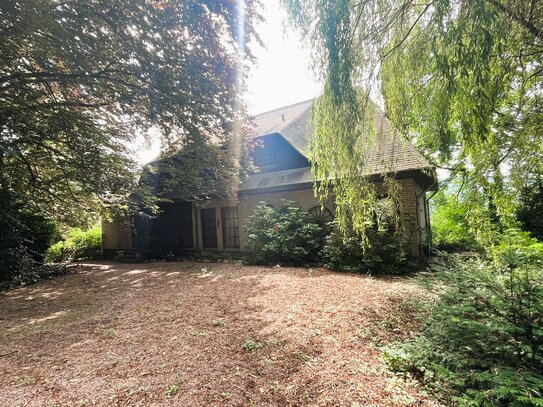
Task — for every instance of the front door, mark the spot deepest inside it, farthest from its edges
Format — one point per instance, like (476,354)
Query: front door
(209,228)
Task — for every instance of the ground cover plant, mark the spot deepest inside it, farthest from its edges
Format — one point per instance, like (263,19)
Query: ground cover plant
(483,336)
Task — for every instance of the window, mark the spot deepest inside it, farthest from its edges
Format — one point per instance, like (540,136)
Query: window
(265,155)
(209,228)
(230,227)
(386,215)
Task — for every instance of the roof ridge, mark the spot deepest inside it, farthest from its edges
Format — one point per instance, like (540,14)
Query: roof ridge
(283,107)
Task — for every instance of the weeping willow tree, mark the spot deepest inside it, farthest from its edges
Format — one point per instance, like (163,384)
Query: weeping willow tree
(462,79)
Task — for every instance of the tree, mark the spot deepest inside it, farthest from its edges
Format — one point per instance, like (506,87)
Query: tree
(530,209)
(82,81)
(462,79)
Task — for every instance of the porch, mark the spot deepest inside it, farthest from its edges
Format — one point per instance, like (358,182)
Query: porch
(184,228)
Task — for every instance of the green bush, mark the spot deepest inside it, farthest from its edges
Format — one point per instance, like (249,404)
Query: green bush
(24,237)
(516,247)
(530,209)
(482,343)
(384,256)
(78,245)
(450,229)
(285,235)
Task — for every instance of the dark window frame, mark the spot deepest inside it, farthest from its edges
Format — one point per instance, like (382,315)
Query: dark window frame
(209,228)
(230,227)
(265,156)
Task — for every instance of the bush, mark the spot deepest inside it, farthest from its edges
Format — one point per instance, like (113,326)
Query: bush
(384,256)
(78,245)
(24,238)
(286,235)
(530,209)
(482,344)
(516,248)
(450,229)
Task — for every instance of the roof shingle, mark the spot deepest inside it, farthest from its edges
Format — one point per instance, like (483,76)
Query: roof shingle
(389,152)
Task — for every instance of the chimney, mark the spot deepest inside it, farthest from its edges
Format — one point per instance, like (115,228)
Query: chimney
(282,117)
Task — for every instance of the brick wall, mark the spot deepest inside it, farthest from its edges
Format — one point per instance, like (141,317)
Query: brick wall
(408,199)
(306,200)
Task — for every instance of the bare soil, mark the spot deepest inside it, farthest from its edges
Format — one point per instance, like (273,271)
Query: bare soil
(201,334)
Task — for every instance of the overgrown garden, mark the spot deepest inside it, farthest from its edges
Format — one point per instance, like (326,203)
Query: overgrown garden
(83,84)
(462,80)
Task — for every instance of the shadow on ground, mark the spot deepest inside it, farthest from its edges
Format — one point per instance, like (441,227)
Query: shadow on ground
(203,334)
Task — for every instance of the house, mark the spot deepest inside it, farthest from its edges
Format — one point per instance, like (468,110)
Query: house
(285,173)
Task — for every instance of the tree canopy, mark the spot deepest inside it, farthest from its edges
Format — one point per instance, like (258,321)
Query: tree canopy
(82,81)
(462,79)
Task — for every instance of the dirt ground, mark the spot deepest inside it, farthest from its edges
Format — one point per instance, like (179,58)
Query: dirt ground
(200,334)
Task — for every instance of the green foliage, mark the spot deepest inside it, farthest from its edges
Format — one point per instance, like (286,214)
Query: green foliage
(530,209)
(345,111)
(252,346)
(78,245)
(172,390)
(482,344)
(517,247)
(287,235)
(468,94)
(450,227)
(24,238)
(85,82)
(199,171)
(385,255)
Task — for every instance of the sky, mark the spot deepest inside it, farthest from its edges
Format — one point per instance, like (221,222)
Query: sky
(282,75)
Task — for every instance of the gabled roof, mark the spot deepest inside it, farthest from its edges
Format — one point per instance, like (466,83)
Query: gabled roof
(292,122)
(390,151)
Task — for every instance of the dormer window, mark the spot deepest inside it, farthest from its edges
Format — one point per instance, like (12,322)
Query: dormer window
(265,156)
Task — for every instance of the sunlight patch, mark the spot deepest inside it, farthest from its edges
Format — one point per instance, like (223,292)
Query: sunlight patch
(47,318)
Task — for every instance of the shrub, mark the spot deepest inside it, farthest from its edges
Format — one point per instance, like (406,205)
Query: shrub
(530,209)
(287,235)
(516,248)
(384,256)
(450,229)
(24,237)
(482,344)
(78,244)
